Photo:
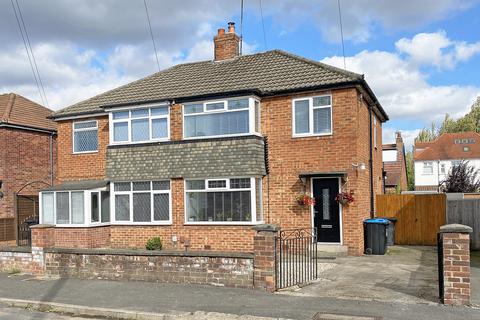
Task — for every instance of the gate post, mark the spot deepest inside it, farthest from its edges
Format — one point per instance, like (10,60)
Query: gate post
(454,251)
(43,237)
(264,257)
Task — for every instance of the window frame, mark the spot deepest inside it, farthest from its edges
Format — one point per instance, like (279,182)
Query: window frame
(130,193)
(128,120)
(252,116)
(311,108)
(424,165)
(253,204)
(84,129)
(87,219)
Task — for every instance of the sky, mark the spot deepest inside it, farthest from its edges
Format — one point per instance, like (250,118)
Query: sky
(421,58)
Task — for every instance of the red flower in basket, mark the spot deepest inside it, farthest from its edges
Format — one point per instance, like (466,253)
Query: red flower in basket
(344,198)
(305,200)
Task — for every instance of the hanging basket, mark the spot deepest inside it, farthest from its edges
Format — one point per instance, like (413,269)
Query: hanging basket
(305,200)
(344,198)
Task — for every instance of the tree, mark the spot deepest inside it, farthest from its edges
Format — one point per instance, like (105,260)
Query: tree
(428,134)
(410,174)
(462,178)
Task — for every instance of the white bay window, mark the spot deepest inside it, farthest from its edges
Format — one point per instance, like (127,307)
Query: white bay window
(75,208)
(142,202)
(140,125)
(221,118)
(312,116)
(223,201)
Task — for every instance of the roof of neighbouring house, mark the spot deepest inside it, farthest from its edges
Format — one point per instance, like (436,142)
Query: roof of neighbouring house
(449,146)
(267,73)
(19,111)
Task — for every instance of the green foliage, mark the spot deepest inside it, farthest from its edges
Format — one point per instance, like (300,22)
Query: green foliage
(410,173)
(462,178)
(154,243)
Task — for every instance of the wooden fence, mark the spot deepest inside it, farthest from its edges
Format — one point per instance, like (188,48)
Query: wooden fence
(420,216)
(7,229)
(467,212)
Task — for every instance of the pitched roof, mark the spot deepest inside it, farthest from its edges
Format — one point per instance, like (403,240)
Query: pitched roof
(265,73)
(449,146)
(19,111)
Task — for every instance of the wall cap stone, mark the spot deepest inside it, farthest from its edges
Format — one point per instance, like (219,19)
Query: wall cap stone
(266,227)
(16,249)
(129,252)
(455,228)
(42,226)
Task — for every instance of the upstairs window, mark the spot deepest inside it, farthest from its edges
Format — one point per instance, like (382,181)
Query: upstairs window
(312,116)
(221,118)
(85,136)
(428,167)
(140,125)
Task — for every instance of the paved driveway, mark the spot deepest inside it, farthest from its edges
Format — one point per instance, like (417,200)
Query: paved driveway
(406,274)
(475,284)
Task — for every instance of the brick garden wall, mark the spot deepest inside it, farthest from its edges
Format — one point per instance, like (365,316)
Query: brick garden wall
(12,260)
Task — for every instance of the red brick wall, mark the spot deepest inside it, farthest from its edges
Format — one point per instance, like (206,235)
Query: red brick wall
(85,166)
(93,237)
(24,158)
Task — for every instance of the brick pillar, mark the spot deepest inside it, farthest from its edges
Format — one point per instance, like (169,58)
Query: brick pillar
(264,257)
(456,263)
(43,237)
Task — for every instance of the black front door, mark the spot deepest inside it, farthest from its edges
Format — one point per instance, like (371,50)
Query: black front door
(326,210)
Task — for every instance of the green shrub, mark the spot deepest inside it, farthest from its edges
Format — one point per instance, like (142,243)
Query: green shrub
(154,243)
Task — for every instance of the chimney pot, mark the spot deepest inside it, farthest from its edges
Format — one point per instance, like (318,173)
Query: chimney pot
(221,31)
(231,27)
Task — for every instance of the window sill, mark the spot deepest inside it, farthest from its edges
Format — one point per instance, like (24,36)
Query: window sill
(84,152)
(312,135)
(138,142)
(225,136)
(226,223)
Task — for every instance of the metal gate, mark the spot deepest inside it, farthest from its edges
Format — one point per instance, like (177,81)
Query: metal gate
(295,257)
(27,215)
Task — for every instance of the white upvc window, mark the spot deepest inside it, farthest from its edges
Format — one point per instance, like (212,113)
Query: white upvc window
(75,208)
(85,136)
(223,201)
(443,168)
(141,202)
(219,118)
(428,167)
(140,125)
(312,116)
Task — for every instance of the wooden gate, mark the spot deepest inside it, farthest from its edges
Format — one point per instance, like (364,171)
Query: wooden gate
(419,216)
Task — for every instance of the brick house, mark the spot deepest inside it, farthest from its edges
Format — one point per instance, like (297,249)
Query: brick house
(200,152)
(27,157)
(395,165)
(433,160)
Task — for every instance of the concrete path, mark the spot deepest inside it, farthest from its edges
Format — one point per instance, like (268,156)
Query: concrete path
(8,313)
(475,281)
(164,298)
(406,274)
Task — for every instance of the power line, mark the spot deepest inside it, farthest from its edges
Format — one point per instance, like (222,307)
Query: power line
(241,26)
(341,34)
(31,50)
(263,26)
(28,53)
(151,34)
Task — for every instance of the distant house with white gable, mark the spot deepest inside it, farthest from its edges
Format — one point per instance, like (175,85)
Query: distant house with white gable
(434,159)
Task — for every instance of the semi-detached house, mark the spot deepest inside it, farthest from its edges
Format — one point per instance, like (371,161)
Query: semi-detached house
(200,152)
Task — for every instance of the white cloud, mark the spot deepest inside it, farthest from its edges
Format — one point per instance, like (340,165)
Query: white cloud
(436,49)
(388,136)
(402,87)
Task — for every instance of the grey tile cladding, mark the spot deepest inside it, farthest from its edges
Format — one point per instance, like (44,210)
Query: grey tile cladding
(187,159)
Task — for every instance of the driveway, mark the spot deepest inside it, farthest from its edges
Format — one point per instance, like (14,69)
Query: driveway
(406,274)
(475,283)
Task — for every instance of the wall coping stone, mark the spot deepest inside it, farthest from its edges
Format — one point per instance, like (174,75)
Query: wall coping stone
(266,227)
(130,252)
(42,226)
(455,228)
(16,249)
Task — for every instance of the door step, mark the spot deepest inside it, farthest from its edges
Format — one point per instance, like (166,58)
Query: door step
(332,250)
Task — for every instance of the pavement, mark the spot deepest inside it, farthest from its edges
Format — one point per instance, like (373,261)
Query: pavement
(173,299)
(8,313)
(406,274)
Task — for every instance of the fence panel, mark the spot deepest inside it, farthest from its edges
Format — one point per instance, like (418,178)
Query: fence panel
(7,229)
(419,216)
(466,212)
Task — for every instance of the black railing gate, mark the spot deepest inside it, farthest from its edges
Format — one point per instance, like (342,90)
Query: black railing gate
(295,257)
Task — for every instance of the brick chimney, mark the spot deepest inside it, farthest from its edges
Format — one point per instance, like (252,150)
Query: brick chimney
(227,45)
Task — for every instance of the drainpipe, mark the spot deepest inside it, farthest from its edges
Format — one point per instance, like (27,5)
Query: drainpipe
(51,158)
(370,162)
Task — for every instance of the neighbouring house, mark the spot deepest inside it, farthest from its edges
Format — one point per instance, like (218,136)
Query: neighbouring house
(27,157)
(200,152)
(434,159)
(395,166)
